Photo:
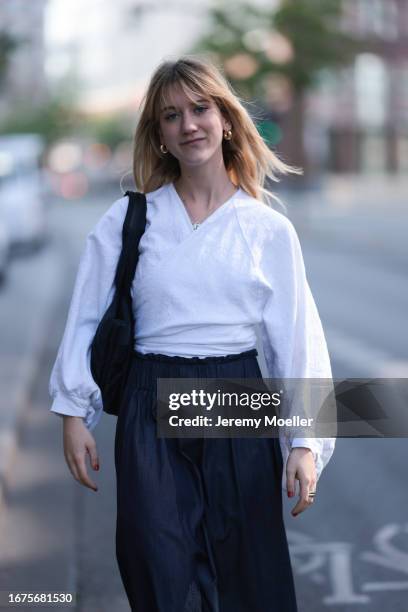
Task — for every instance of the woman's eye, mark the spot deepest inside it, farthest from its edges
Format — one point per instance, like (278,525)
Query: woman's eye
(197,108)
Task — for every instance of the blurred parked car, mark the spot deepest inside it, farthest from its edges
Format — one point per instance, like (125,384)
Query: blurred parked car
(22,203)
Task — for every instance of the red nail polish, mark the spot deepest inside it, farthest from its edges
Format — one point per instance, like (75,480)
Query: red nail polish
(97,466)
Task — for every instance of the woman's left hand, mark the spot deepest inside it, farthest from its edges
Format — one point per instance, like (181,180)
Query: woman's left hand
(301,465)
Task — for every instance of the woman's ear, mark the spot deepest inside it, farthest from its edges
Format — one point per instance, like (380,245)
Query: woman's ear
(227,125)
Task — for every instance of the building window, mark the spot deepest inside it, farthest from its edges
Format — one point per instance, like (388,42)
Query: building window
(378,18)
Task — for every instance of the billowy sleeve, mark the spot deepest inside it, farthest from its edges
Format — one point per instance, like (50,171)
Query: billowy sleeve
(71,386)
(291,332)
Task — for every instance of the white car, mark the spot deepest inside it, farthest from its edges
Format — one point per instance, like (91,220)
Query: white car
(22,206)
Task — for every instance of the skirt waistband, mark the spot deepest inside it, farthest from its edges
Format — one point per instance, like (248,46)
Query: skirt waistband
(210,359)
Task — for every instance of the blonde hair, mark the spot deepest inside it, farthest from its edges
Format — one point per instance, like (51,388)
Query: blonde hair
(248,160)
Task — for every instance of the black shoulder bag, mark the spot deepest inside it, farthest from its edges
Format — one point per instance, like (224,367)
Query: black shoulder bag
(112,346)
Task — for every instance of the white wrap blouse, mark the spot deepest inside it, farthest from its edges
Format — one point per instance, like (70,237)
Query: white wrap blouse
(198,293)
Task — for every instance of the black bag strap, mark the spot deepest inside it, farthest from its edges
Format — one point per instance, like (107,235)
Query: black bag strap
(133,229)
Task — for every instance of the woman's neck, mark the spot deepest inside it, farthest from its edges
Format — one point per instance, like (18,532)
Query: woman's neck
(204,195)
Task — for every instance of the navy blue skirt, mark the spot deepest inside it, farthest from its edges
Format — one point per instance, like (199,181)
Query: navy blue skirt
(199,521)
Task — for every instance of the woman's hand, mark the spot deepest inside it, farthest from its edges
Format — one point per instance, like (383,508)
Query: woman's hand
(78,442)
(301,465)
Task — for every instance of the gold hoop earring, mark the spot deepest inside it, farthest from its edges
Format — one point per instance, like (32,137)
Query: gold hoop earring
(228,135)
(164,149)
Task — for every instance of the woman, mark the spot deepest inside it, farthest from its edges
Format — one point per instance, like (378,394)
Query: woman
(199,516)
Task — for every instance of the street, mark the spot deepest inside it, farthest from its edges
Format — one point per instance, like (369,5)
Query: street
(349,550)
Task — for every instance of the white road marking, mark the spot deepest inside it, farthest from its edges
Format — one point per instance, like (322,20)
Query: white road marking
(309,555)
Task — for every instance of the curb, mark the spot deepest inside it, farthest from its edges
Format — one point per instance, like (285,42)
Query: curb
(13,419)
(16,401)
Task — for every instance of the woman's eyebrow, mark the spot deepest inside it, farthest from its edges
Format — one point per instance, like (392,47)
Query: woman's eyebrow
(195,102)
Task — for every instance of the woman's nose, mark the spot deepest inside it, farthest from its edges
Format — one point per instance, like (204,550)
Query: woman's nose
(188,123)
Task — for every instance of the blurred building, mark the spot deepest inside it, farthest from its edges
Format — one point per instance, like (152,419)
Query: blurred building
(25,76)
(356,120)
(358,117)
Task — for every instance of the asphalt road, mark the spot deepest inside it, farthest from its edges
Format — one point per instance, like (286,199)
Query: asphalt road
(349,551)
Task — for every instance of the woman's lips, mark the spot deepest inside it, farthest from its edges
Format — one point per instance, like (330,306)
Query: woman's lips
(194,141)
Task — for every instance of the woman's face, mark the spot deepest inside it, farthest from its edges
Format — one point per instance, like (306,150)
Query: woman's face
(183,121)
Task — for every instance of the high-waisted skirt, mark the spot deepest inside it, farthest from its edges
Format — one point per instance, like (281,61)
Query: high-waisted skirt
(199,521)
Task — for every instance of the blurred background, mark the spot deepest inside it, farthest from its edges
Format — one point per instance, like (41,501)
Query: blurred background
(326,82)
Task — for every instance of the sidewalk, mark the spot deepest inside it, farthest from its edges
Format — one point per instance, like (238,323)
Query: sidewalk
(344,194)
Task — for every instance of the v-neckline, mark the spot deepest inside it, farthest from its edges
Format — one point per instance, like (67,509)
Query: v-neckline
(215,213)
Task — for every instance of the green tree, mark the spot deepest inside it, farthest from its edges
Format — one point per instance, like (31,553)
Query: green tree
(52,120)
(111,130)
(311,29)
